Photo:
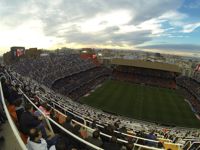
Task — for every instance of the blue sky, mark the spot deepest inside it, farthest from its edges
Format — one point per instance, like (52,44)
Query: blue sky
(167,26)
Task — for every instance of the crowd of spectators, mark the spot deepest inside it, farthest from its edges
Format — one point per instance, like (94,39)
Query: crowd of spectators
(191,89)
(109,122)
(146,76)
(32,124)
(79,84)
(73,77)
(48,69)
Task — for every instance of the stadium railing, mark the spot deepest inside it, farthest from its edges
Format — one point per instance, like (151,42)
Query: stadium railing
(58,125)
(11,122)
(90,129)
(129,135)
(16,132)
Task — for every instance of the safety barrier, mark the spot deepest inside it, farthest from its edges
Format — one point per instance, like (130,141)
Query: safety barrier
(16,132)
(12,124)
(136,145)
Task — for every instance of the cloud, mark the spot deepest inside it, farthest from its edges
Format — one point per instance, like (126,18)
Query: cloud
(90,22)
(190,27)
(107,36)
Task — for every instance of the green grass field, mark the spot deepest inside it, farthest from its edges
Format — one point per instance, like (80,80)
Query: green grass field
(143,102)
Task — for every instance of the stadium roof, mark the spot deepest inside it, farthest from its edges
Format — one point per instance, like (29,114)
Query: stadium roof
(147,64)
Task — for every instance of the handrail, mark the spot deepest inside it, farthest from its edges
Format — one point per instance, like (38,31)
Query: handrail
(109,136)
(68,132)
(141,121)
(106,134)
(55,103)
(120,140)
(79,116)
(58,105)
(12,125)
(45,116)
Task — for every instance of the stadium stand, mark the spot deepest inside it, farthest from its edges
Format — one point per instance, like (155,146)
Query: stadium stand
(192,91)
(50,68)
(78,123)
(145,76)
(79,84)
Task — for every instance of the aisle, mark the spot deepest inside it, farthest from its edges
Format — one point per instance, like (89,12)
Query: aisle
(10,142)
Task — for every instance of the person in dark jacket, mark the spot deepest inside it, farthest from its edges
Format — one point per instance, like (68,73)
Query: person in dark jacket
(19,108)
(5,88)
(14,94)
(95,139)
(112,144)
(28,121)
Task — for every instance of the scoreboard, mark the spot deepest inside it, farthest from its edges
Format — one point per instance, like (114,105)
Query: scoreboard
(17,51)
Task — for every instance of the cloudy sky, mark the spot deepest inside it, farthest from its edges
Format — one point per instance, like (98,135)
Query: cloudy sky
(156,25)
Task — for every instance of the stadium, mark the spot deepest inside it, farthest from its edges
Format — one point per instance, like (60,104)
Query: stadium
(130,102)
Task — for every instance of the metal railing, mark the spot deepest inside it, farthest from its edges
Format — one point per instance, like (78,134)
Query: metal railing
(11,122)
(58,125)
(80,139)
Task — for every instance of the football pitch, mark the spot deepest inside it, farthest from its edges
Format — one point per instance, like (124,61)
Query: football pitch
(141,102)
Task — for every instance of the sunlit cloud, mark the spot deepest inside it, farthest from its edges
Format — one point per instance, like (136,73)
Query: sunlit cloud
(103,21)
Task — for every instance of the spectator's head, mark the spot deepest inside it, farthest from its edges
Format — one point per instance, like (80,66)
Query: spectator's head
(18,102)
(96,134)
(35,134)
(61,145)
(3,80)
(48,108)
(44,104)
(68,119)
(152,132)
(29,107)
(116,125)
(76,129)
(17,86)
(93,123)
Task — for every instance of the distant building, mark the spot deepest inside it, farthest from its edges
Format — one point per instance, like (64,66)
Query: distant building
(17,51)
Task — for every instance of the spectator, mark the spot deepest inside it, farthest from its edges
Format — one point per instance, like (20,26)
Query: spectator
(5,88)
(35,140)
(112,144)
(68,124)
(19,108)
(76,130)
(28,121)
(60,145)
(95,139)
(151,136)
(14,94)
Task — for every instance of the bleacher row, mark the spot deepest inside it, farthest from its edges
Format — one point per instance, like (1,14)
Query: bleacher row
(75,86)
(192,91)
(50,68)
(63,105)
(79,76)
(146,76)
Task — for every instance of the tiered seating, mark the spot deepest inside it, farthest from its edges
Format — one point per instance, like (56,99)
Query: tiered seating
(48,69)
(146,76)
(79,78)
(79,84)
(191,90)
(106,121)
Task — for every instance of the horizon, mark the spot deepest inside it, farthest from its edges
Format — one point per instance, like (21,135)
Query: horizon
(166,26)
